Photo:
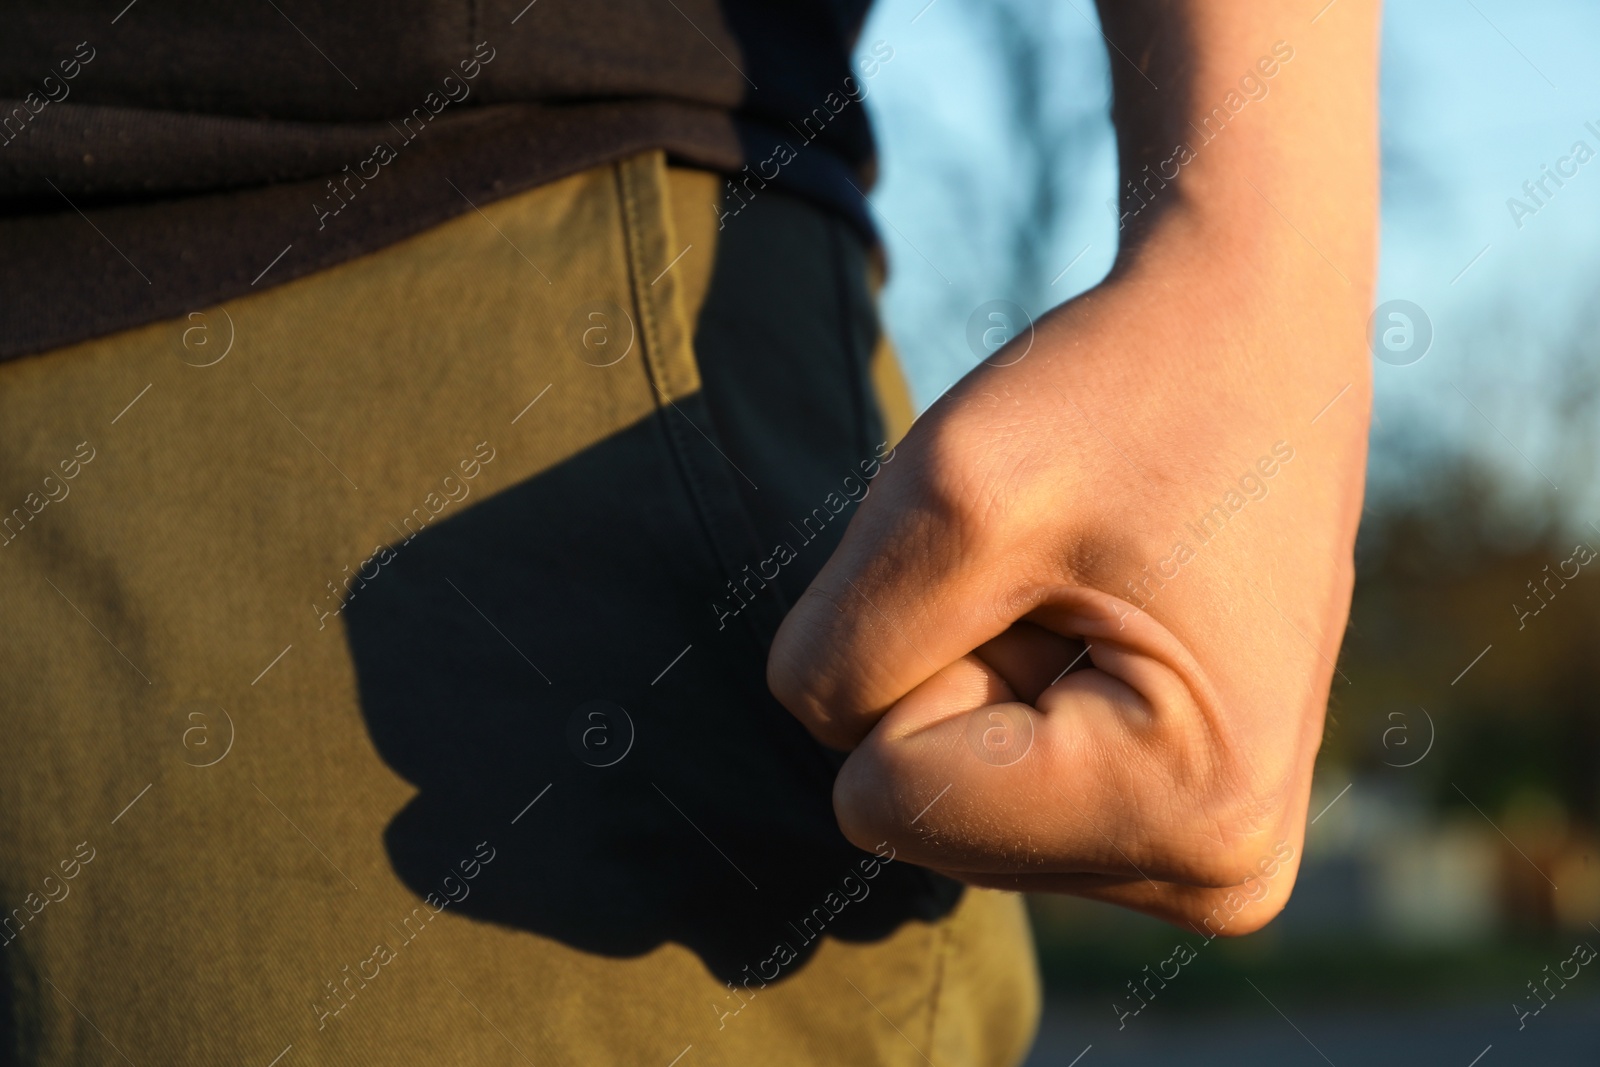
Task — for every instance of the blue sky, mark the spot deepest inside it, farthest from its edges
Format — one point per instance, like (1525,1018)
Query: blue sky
(1477,95)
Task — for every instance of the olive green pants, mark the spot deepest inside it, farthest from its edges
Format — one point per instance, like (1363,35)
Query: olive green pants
(381,665)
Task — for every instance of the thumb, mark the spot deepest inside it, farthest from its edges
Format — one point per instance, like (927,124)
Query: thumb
(1122,765)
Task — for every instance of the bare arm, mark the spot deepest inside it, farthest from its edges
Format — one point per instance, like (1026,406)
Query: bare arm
(1158,485)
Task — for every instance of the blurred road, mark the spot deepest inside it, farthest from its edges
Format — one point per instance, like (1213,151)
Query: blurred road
(1567,1033)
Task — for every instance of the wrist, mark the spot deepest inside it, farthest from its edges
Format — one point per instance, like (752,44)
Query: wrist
(1262,145)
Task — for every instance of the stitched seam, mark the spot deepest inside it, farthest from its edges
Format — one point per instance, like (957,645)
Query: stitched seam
(656,369)
(641,301)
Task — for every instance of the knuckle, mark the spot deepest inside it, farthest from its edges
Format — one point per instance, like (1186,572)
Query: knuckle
(799,676)
(787,676)
(967,479)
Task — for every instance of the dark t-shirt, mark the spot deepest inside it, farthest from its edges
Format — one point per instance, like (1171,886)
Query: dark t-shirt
(175,153)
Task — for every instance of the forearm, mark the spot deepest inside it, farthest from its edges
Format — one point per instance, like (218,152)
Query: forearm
(1248,150)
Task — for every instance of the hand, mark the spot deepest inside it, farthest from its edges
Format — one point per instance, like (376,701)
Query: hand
(1123,561)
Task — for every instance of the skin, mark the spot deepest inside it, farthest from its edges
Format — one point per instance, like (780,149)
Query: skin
(1174,761)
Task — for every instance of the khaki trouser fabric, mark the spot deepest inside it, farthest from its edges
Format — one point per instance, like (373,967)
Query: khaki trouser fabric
(382,680)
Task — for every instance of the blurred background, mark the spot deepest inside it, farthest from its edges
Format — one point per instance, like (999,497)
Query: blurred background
(1454,869)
